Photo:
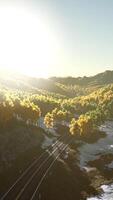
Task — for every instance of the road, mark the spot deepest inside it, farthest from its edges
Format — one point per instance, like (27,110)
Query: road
(27,185)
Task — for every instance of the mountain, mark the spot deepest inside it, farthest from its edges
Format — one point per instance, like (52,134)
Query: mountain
(99,79)
(67,86)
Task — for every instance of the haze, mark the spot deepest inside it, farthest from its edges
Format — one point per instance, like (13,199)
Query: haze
(56,38)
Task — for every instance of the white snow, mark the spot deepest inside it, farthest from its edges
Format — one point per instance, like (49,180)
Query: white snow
(110,165)
(89,169)
(90,152)
(111,146)
(107,193)
(43,126)
(47,142)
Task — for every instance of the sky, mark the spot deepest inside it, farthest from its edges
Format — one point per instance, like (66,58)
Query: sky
(46,38)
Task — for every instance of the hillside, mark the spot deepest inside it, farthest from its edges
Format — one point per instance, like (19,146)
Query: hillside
(35,112)
(99,79)
(65,87)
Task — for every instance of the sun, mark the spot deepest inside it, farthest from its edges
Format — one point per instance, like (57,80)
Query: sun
(27,43)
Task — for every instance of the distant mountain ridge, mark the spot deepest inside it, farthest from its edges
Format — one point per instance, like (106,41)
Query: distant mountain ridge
(99,79)
(67,86)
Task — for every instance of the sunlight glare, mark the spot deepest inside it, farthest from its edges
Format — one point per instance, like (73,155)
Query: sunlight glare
(27,44)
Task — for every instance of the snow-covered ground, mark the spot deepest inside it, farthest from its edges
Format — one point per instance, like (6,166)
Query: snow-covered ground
(110,165)
(47,142)
(64,123)
(107,193)
(89,152)
(89,169)
(43,126)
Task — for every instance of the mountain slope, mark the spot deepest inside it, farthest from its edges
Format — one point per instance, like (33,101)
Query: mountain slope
(99,79)
(67,86)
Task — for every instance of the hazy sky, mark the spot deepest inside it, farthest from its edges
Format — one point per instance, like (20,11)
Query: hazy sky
(56,37)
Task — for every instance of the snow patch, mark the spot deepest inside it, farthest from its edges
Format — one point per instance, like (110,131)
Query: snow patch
(110,165)
(90,152)
(47,142)
(89,169)
(43,126)
(107,193)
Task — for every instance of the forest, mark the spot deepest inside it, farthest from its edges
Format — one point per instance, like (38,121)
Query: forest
(83,113)
(36,114)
